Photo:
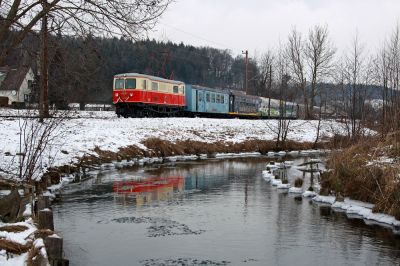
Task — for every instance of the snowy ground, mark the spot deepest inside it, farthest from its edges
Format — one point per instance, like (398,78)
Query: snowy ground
(20,238)
(79,136)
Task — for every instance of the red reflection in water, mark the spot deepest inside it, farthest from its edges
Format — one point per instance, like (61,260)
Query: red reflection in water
(149,185)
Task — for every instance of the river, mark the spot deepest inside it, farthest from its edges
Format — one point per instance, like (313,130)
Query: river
(214,212)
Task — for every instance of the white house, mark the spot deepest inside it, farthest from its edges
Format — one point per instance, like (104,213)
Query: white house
(16,85)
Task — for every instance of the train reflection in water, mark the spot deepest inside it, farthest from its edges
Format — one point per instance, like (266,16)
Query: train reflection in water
(153,189)
(149,189)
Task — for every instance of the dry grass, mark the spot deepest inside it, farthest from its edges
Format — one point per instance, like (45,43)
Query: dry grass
(165,148)
(14,247)
(354,176)
(34,257)
(43,233)
(13,228)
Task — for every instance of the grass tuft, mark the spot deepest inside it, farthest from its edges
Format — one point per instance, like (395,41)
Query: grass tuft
(13,228)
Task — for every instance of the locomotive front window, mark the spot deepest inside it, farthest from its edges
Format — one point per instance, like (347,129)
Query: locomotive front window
(176,89)
(119,84)
(154,86)
(130,84)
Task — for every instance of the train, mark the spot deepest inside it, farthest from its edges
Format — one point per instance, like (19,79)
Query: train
(140,95)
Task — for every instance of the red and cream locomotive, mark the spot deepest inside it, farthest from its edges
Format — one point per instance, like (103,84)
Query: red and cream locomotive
(139,95)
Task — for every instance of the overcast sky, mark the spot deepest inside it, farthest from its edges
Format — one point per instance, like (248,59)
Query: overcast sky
(257,25)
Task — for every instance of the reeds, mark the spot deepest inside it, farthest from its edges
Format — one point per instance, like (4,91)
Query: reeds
(359,173)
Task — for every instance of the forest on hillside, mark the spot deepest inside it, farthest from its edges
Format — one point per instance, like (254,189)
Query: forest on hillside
(82,68)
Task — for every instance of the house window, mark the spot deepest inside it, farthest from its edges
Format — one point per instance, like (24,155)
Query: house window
(154,86)
(26,98)
(119,84)
(30,85)
(130,84)
(176,89)
(213,97)
(208,97)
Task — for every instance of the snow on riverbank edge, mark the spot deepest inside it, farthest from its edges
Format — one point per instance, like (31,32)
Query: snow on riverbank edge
(363,210)
(352,208)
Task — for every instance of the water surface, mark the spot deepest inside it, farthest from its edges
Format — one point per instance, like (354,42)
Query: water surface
(210,213)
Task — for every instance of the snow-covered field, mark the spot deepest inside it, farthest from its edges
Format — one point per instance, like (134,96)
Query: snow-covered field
(80,135)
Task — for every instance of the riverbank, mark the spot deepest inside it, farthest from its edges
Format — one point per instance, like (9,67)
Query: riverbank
(99,133)
(367,171)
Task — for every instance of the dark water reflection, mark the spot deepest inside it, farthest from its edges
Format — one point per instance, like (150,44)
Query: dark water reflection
(210,213)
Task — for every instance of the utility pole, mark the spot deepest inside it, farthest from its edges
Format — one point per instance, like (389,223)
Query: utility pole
(247,65)
(44,69)
(269,91)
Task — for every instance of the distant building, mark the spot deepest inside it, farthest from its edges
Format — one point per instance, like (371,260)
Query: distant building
(16,85)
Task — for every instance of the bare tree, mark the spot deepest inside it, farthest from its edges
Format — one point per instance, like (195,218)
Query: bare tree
(319,53)
(354,77)
(266,65)
(127,18)
(295,51)
(283,125)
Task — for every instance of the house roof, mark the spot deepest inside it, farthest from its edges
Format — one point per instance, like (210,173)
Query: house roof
(13,77)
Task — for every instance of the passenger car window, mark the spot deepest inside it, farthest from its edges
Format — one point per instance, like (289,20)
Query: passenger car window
(218,98)
(208,97)
(130,84)
(213,98)
(119,84)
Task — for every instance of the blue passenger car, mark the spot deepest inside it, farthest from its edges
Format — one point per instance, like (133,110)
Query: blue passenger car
(203,100)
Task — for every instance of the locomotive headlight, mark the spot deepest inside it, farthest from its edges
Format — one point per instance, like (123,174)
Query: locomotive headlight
(131,94)
(116,95)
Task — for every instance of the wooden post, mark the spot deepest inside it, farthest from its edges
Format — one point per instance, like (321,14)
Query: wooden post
(46,219)
(54,247)
(43,203)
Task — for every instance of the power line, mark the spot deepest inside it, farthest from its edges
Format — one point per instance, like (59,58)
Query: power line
(198,37)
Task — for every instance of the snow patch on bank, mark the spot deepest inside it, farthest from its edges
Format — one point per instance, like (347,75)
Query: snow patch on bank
(364,210)
(20,238)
